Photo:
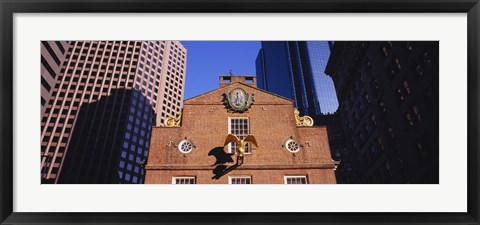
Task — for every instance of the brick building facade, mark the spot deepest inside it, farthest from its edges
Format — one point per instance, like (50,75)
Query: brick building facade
(194,152)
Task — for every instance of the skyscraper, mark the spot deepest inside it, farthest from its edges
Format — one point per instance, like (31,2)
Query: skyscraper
(97,124)
(52,57)
(295,69)
(389,108)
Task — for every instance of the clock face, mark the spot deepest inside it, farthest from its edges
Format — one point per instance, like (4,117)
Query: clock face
(238,98)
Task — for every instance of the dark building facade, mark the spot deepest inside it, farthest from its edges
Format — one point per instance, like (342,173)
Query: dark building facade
(97,124)
(104,147)
(388,94)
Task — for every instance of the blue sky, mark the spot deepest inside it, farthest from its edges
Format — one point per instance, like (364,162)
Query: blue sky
(207,60)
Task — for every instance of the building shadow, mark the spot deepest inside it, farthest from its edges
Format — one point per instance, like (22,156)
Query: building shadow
(221,158)
(109,143)
(221,170)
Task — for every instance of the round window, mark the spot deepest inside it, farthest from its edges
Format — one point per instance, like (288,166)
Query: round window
(185,146)
(292,146)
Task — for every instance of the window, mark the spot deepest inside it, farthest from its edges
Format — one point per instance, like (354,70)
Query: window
(391,133)
(45,84)
(416,112)
(47,164)
(52,53)
(59,45)
(403,91)
(409,45)
(373,120)
(419,145)
(185,146)
(296,180)
(48,67)
(426,58)
(419,70)
(292,146)
(395,66)
(409,119)
(240,180)
(413,116)
(386,48)
(238,126)
(183,180)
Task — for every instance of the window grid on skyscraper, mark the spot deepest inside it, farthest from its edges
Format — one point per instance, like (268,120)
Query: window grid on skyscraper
(92,71)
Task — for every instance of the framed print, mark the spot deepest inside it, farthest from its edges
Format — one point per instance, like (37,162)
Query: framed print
(371,106)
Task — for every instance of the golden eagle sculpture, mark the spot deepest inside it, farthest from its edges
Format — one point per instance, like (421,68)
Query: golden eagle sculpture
(240,143)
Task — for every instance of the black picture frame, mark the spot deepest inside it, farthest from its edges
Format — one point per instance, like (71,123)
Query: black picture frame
(9,7)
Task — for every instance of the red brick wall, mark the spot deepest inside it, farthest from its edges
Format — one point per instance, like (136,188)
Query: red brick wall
(272,122)
(314,176)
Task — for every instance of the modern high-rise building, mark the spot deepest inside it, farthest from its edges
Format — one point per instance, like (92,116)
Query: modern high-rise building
(389,108)
(52,57)
(97,124)
(295,70)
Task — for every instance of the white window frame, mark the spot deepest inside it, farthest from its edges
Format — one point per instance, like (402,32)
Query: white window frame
(230,131)
(292,140)
(180,145)
(298,176)
(230,178)
(184,177)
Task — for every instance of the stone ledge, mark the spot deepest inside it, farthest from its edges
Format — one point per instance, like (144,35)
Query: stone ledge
(242,167)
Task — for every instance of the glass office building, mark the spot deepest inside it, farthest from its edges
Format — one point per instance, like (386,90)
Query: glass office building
(296,70)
